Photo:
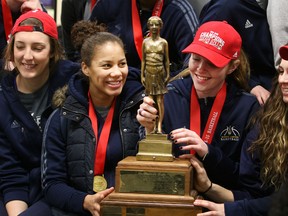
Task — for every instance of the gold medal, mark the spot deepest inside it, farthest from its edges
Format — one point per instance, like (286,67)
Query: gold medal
(99,183)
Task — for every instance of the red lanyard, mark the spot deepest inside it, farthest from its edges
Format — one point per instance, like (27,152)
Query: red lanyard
(93,2)
(7,18)
(136,24)
(195,119)
(100,151)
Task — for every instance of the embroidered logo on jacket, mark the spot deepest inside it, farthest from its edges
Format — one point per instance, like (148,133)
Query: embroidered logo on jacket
(248,24)
(230,134)
(15,124)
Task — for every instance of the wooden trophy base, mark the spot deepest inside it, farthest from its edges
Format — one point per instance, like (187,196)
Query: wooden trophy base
(152,188)
(148,209)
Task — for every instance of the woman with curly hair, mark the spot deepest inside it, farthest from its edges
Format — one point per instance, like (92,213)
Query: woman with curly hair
(264,157)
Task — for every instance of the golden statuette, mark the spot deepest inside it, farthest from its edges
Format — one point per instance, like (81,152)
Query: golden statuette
(155,74)
(155,71)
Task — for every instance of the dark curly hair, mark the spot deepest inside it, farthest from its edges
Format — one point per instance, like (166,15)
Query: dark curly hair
(82,30)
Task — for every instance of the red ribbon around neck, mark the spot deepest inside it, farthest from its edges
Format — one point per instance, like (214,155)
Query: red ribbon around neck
(211,124)
(7,18)
(136,23)
(102,142)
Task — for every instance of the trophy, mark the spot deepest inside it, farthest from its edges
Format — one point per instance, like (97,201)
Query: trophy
(154,77)
(153,182)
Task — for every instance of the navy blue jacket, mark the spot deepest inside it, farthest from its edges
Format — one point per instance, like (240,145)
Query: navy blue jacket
(21,138)
(250,21)
(222,162)
(69,154)
(253,198)
(72,11)
(249,207)
(179,19)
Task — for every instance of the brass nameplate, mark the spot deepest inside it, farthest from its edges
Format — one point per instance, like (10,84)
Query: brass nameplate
(149,182)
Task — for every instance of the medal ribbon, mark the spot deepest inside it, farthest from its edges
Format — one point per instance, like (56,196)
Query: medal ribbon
(195,119)
(7,18)
(136,24)
(102,142)
(93,2)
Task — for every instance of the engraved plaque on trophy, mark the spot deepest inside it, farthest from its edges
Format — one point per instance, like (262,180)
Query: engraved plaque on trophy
(152,188)
(153,182)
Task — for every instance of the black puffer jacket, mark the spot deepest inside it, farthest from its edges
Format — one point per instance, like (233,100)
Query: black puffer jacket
(69,152)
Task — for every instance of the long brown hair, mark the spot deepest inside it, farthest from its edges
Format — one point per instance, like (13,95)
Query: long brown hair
(272,142)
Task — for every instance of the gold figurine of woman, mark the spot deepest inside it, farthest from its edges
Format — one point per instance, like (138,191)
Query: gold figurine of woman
(155,68)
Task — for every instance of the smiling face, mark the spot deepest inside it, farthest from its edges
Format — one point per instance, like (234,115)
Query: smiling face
(207,78)
(32,55)
(283,79)
(107,73)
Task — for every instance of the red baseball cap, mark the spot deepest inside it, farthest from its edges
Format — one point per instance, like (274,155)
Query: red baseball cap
(283,51)
(217,41)
(48,23)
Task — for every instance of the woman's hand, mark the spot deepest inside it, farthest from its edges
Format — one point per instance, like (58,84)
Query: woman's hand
(261,94)
(147,114)
(92,202)
(16,207)
(215,208)
(190,139)
(201,181)
(203,184)
(30,5)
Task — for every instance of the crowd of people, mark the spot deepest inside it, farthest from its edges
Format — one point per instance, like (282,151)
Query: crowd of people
(216,84)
